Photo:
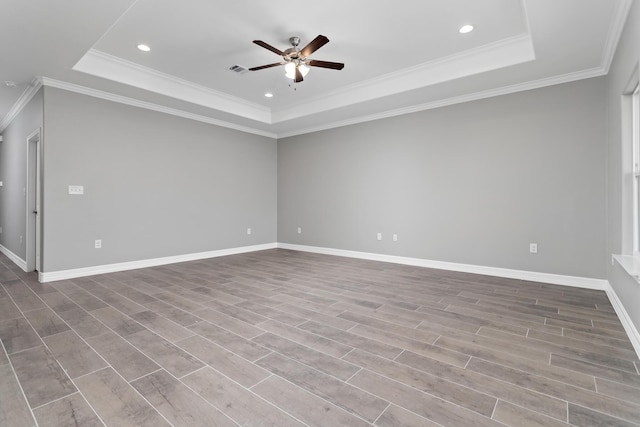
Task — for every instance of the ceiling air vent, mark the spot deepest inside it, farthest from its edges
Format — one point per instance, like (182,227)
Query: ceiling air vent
(238,69)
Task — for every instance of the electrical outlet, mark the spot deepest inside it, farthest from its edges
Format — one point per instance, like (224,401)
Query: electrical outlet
(299,230)
(248,231)
(395,237)
(533,248)
(98,244)
(76,189)
(20,239)
(379,236)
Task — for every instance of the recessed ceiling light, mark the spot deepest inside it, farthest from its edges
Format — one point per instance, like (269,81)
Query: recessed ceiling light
(466,29)
(268,95)
(144,47)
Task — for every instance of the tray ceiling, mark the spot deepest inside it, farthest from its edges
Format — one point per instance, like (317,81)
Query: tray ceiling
(399,56)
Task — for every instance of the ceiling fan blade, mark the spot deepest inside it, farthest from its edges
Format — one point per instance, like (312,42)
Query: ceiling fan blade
(299,77)
(269,47)
(314,45)
(326,64)
(262,67)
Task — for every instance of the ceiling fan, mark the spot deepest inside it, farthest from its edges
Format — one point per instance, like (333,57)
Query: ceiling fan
(296,62)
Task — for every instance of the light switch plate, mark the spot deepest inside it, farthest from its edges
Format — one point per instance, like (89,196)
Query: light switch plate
(76,189)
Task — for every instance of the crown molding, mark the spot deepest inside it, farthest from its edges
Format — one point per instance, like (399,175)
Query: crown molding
(110,67)
(149,106)
(615,32)
(503,53)
(506,90)
(22,102)
(38,82)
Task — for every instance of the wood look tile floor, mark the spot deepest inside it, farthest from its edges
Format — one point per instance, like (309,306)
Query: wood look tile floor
(284,338)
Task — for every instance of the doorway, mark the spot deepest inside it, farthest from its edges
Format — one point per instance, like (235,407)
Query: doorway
(33,205)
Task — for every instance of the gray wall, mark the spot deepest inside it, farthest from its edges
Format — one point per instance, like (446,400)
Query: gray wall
(155,185)
(13,173)
(474,183)
(618,218)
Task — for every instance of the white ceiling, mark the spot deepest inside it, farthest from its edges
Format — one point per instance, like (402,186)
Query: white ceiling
(399,57)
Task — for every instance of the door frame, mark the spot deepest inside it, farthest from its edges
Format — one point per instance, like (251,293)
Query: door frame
(33,201)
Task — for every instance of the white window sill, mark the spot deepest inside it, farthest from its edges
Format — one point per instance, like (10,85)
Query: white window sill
(631,265)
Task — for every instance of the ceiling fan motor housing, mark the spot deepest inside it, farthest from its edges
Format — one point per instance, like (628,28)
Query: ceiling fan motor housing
(293,53)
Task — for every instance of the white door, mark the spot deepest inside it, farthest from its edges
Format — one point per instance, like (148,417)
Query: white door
(33,202)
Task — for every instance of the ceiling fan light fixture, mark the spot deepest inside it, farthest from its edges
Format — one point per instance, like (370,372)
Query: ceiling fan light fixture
(290,70)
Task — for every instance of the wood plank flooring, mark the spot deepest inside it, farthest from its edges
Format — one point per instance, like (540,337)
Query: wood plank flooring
(284,338)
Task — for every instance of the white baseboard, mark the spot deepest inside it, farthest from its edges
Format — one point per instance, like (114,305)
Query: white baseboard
(133,265)
(578,282)
(625,319)
(15,258)
(554,279)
